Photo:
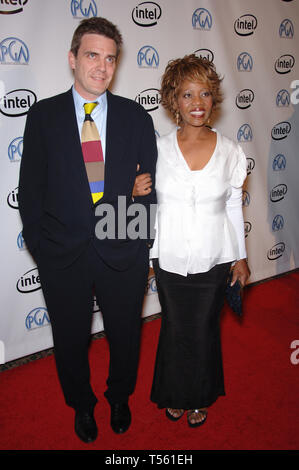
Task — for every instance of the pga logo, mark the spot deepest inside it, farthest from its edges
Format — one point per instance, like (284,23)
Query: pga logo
(244,62)
(202,19)
(295,93)
(13,51)
(83,8)
(37,318)
(148,57)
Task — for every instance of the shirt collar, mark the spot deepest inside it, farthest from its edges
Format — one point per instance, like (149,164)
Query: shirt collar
(79,102)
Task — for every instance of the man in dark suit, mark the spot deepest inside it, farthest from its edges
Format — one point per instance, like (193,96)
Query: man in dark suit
(60,216)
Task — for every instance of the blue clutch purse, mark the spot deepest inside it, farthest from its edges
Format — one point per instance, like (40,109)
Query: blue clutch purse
(234,295)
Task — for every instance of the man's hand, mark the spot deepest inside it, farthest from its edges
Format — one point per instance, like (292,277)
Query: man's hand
(142,185)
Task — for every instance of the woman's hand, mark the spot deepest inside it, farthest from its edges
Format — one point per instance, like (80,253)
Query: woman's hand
(241,272)
(142,185)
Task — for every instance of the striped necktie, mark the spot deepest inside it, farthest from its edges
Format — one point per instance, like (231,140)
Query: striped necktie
(93,154)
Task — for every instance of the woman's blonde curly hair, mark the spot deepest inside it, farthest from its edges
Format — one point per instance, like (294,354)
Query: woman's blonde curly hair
(193,68)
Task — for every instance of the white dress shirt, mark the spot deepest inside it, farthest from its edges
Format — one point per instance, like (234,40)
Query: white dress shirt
(199,220)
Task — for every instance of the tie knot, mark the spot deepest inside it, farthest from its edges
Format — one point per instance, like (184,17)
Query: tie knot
(89,107)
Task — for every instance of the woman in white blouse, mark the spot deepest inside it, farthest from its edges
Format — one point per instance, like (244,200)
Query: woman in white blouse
(199,234)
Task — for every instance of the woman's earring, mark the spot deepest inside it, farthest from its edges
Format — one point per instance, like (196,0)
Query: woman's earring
(177,116)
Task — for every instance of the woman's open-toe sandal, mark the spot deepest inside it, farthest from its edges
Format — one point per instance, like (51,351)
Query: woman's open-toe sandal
(196,417)
(174,414)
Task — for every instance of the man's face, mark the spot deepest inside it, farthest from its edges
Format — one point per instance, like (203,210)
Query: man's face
(94,65)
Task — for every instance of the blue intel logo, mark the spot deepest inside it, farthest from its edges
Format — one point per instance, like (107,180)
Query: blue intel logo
(202,19)
(37,318)
(244,62)
(15,149)
(283,98)
(245,198)
(277,223)
(286,29)
(83,8)
(13,51)
(244,133)
(279,162)
(148,57)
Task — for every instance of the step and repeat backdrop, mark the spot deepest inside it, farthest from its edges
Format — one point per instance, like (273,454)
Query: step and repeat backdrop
(253,45)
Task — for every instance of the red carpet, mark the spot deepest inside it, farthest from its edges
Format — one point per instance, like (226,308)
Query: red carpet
(260,410)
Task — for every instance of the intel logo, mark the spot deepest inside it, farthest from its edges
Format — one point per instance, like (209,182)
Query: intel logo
(37,318)
(17,102)
(281,130)
(149,99)
(148,57)
(245,25)
(286,29)
(11,6)
(202,19)
(83,8)
(29,282)
(247,228)
(13,199)
(278,192)
(205,54)
(13,51)
(244,98)
(244,62)
(146,14)
(250,165)
(245,133)
(284,64)
(276,251)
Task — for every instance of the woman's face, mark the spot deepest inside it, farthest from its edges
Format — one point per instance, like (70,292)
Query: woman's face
(195,103)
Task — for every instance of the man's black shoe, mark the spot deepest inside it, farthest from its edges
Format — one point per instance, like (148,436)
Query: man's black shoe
(120,417)
(85,426)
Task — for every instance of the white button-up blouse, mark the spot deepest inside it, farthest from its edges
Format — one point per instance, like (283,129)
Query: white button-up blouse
(199,220)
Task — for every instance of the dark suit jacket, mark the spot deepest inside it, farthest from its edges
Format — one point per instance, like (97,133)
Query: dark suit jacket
(55,203)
